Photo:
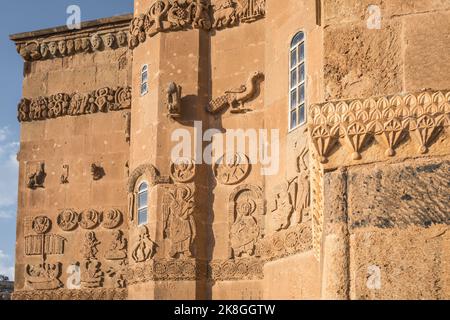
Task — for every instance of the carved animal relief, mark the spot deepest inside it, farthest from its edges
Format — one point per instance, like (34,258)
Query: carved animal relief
(174,15)
(36,179)
(63,104)
(65,175)
(97,172)
(236,98)
(179,222)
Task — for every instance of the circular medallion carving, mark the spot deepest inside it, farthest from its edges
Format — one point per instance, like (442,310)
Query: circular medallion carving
(41,224)
(182,170)
(68,220)
(89,219)
(112,219)
(232,169)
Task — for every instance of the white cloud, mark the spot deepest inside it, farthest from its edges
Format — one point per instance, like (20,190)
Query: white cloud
(4,133)
(4,214)
(6,267)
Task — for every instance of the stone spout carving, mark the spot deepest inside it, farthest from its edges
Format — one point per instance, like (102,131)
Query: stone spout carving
(145,247)
(236,98)
(37,178)
(179,223)
(118,247)
(388,120)
(174,100)
(246,210)
(44,276)
(172,15)
(63,104)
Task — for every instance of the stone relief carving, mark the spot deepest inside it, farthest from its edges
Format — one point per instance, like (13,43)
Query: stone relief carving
(167,270)
(90,246)
(145,247)
(42,243)
(182,170)
(173,103)
(174,15)
(91,274)
(389,120)
(303,183)
(241,269)
(90,219)
(65,175)
(44,276)
(118,247)
(246,211)
(127,117)
(236,98)
(317,202)
(68,294)
(232,168)
(112,219)
(36,179)
(67,220)
(119,274)
(63,47)
(284,204)
(63,104)
(179,223)
(97,171)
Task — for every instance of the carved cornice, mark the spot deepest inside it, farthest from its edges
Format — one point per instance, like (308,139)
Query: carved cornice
(63,104)
(421,116)
(102,34)
(172,15)
(66,294)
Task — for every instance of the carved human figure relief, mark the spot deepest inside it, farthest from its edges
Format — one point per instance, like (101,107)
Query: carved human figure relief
(119,274)
(36,179)
(179,223)
(44,276)
(236,98)
(91,274)
(145,247)
(182,170)
(67,220)
(284,205)
(118,247)
(246,210)
(173,102)
(90,246)
(232,168)
(304,190)
(90,219)
(112,219)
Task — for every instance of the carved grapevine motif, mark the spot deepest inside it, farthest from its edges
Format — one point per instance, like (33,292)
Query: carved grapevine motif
(174,15)
(62,104)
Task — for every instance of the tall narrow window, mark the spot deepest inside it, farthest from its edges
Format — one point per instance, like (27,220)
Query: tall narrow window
(142,204)
(297,82)
(144,80)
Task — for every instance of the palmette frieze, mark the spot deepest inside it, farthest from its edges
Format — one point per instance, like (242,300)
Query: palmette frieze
(75,104)
(391,120)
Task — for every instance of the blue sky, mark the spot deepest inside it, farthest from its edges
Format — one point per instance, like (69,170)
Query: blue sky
(20,16)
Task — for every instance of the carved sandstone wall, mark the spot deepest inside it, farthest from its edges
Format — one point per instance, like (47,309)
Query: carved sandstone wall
(73,159)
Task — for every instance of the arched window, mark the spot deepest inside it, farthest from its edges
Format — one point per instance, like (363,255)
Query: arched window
(297,82)
(144,80)
(142,203)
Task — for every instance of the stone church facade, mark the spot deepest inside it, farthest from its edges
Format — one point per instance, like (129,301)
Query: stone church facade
(358,92)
